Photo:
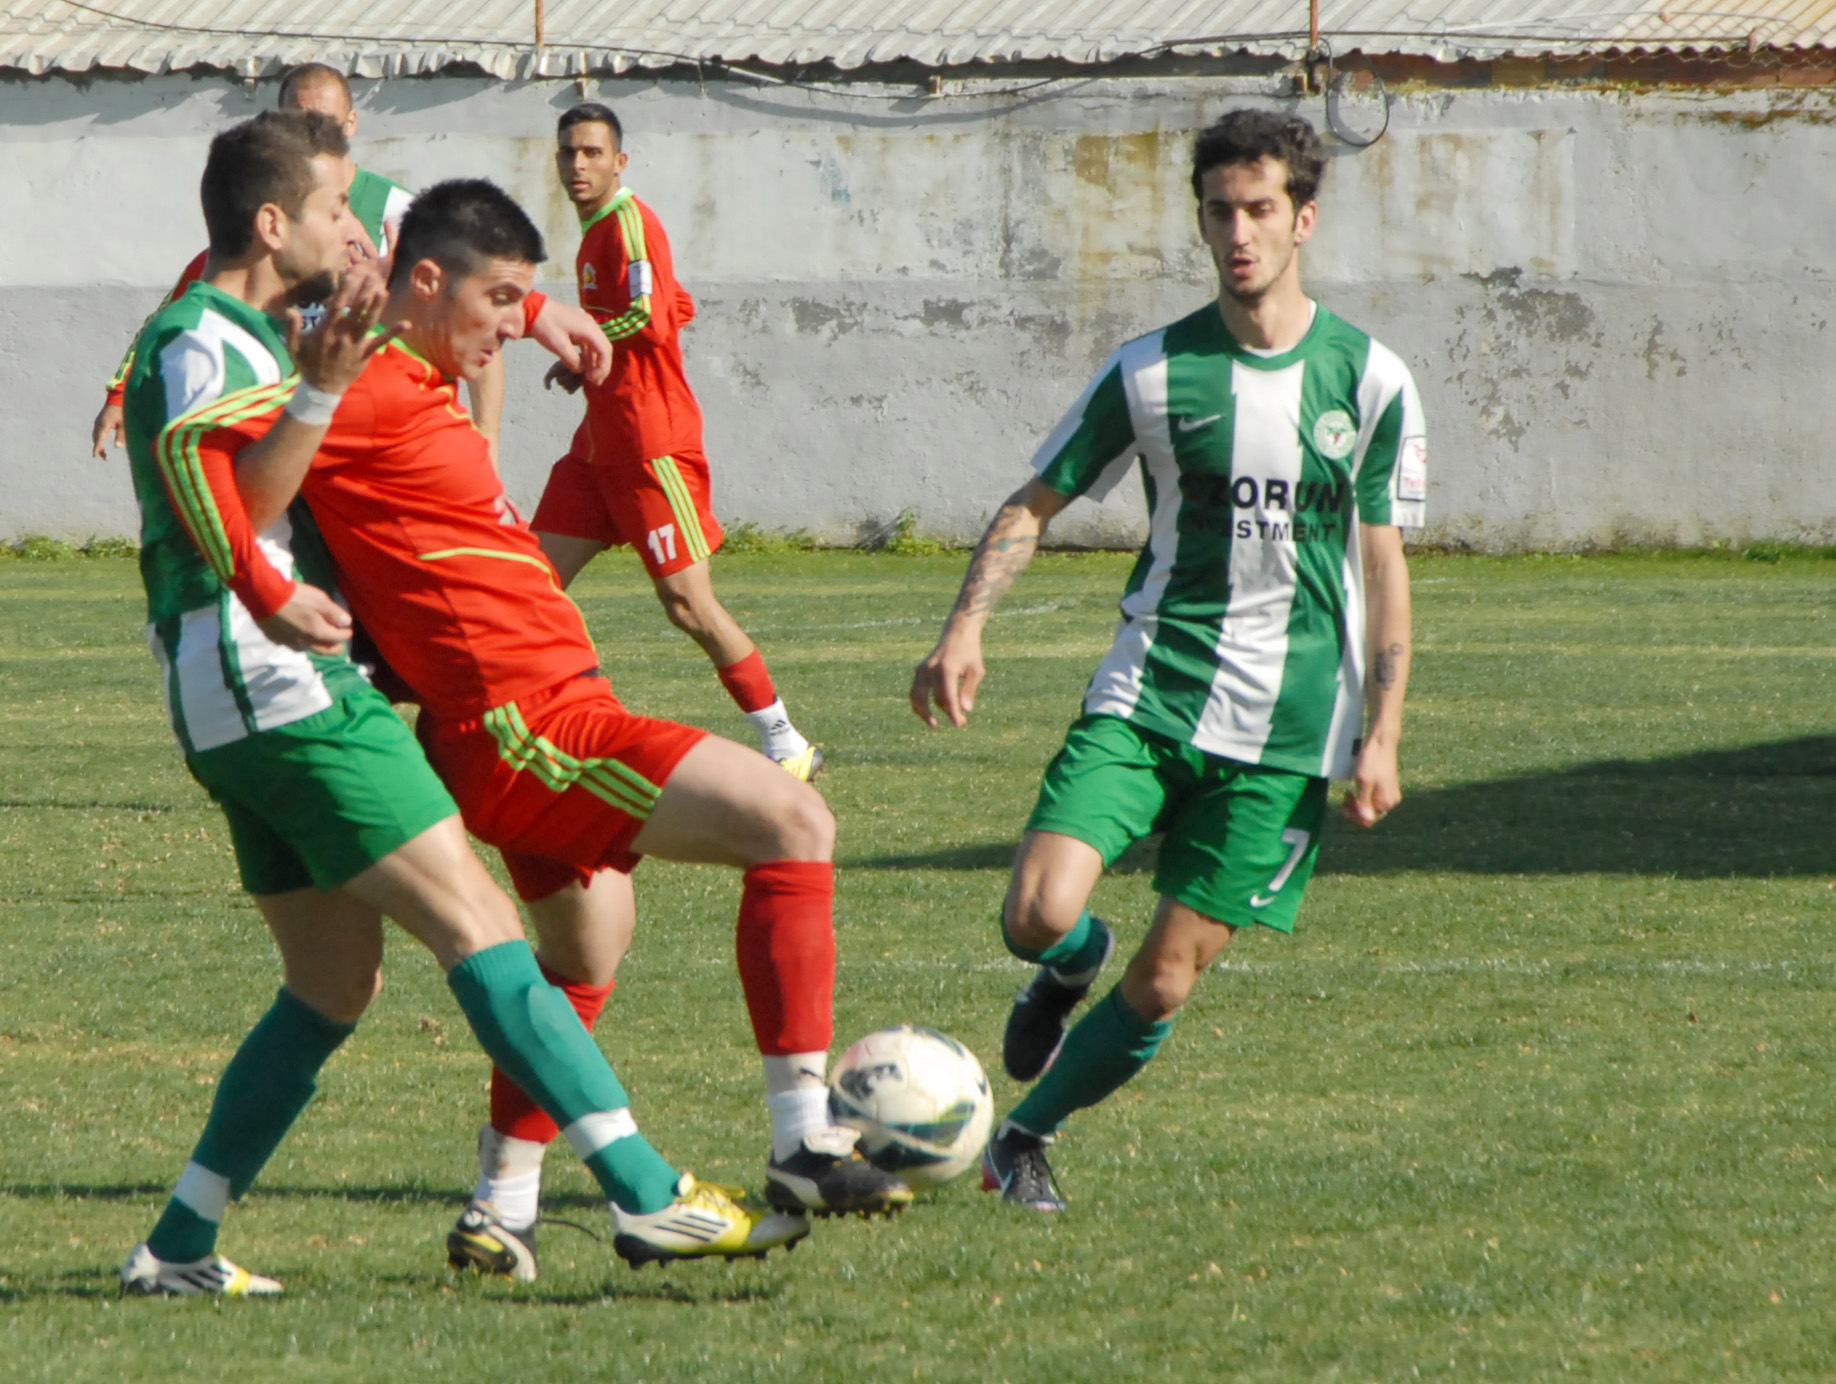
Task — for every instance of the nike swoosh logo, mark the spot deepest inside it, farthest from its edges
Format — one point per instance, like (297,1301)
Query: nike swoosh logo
(1258,901)
(1187,425)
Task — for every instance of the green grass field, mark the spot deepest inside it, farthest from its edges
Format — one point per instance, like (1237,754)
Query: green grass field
(1542,1086)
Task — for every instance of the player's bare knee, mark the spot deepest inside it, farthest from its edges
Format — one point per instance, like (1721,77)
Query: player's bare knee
(682,612)
(1157,987)
(1036,914)
(803,826)
(342,998)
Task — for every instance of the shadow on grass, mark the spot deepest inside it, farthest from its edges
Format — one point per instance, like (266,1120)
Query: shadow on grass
(984,855)
(642,1288)
(1754,812)
(50,805)
(454,1196)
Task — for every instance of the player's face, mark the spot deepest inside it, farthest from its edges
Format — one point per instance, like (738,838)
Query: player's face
(589,161)
(315,245)
(324,97)
(461,324)
(1252,226)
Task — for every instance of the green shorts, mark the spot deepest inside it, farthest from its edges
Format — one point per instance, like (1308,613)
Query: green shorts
(1240,840)
(316,802)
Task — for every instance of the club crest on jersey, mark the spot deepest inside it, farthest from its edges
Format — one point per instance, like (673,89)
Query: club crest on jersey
(1334,434)
(589,279)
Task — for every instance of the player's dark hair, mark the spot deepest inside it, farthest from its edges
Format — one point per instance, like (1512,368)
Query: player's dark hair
(312,74)
(591,113)
(265,159)
(461,223)
(1249,136)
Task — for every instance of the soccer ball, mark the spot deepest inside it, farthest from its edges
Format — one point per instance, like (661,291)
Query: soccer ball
(920,1101)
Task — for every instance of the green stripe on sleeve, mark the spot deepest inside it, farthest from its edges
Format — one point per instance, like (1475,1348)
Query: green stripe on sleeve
(176,452)
(1373,484)
(1102,431)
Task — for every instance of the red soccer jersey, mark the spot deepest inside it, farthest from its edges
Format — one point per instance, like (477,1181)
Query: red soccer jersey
(436,564)
(645,409)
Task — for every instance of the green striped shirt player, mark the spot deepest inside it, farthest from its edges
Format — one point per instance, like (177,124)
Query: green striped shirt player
(1242,621)
(1263,644)
(205,362)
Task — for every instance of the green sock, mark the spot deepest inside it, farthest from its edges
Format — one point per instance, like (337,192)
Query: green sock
(1078,952)
(532,1033)
(1102,1052)
(265,1087)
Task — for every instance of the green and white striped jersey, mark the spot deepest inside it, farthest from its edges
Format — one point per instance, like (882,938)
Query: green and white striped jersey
(1242,629)
(207,362)
(379,205)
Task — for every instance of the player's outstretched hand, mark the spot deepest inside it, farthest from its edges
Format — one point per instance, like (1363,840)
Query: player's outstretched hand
(107,430)
(577,342)
(333,354)
(559,374)
(1376,785)
(311,621)
(948,678)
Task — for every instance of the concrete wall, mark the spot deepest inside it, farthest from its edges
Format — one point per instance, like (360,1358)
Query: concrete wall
(1616,303)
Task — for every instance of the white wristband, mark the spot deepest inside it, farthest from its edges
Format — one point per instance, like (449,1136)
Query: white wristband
(311,405)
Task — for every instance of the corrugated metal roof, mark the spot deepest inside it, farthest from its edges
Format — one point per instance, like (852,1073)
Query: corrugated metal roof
(390,37)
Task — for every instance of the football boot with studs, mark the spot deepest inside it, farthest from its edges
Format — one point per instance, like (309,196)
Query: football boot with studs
(1014,1164)
(483,1243)
(827,1176)
(705,1221)
(146,1275)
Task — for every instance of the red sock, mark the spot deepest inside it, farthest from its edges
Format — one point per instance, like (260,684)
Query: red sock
(748,682)
(786,946)
(512,1112)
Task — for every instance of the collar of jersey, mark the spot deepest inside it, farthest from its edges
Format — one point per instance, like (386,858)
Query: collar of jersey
(1238,351)
(619,198)
(244,313)
(397,344)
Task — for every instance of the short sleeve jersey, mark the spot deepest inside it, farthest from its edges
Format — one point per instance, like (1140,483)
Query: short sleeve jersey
(204,364)
(1242,627)
(645,409)
(438,568)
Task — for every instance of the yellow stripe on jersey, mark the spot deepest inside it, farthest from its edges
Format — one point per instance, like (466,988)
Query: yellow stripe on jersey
(497,553)
(175,452)
(606,779)
(682,505)
(631,228)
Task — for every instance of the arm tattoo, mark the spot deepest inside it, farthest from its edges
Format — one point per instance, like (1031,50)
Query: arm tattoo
(1383,671)
(999,558)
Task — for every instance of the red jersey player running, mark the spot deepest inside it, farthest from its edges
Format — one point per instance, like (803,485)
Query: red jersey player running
(525,731)
(636,473)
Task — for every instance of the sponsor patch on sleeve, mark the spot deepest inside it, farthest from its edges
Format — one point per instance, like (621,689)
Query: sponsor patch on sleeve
(1412,470)
(639,278)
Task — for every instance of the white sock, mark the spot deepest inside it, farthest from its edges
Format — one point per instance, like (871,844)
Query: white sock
(797,1097)
(510,1177)
(778,738)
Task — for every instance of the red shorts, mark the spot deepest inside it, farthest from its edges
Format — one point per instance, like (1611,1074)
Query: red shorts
(662,507)
(559,782)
